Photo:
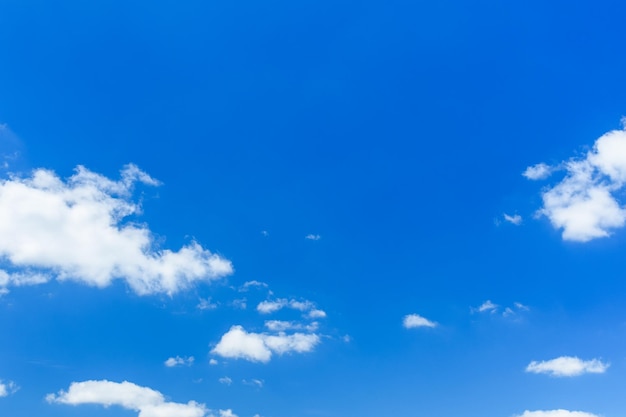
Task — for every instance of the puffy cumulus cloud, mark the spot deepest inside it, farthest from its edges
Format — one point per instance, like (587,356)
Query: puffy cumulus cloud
(145,401)
(556,413)
(7,388)
(412,321)
(227,413)
(567,366)
(538,172)
(76,229)
(237,343)
(178,361)
(584,203)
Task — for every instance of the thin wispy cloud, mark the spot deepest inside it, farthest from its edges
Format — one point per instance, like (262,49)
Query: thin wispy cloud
(412,321)
(313,237)
(586,204)
(75,230)
(206,304)
(307,307)
(567,366)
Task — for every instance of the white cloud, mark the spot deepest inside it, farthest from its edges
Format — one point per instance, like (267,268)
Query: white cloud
(565,366)
(281,326)
(268,307)
(487,306)
(516,219)
(556,413)
(76,230)
(538,172)
(254,382)
(313,237)
(146,401)
(252,284)
(259,347)
(227,413)
(317,314)
(411,321)
(225,380)
(178,361)
(213,362)
(7,388)
(206,304)
(584,204)
(240,303)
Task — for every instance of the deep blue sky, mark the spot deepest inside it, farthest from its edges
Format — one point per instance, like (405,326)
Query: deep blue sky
(395,131)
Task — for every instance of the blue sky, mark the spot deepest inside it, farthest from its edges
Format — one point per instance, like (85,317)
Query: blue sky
(312,208)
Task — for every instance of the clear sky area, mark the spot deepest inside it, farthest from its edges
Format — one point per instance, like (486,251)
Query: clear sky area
(312,208)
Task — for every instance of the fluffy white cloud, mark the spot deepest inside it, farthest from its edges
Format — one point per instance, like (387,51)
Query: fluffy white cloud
(227,413)
(556,413)
(178,361)
(516,219)
(538,172)
(313,237)
(259,347)
(146,401)
(567,366)
(76,229)
(411,321)
(7,388)
(213,362)
(584,203)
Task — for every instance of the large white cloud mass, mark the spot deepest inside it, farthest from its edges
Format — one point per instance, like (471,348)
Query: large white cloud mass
(584,204)
(237,343)
(146,401)
(565,366)
(75,229)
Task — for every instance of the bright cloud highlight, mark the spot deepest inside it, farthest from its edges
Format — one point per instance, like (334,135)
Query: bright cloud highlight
(237,343)
(585,204)
(74,229)
(567,366)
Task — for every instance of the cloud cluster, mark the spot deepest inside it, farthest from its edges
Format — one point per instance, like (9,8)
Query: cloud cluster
(584,204)
(237,343)
(556,413)
(77,229)
(412,321)
(146,401)
(567,366)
